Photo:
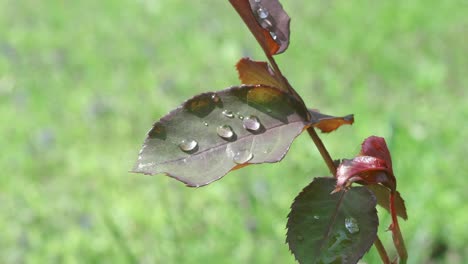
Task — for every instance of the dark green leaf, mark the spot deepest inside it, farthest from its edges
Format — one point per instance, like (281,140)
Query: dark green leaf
(213,133)
(331,228)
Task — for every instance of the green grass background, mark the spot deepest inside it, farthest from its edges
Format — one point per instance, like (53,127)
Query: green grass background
(81,82)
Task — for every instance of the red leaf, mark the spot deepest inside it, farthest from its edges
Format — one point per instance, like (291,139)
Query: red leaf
(373,165)
(267,21)
(258,72)
(376,147)
(327,123)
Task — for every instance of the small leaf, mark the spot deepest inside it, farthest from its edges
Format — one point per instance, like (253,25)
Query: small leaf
(267,21)
(373,169)
(327,123)
(331,228)
(376,147)
(383,199)
(258,72)
(213,133)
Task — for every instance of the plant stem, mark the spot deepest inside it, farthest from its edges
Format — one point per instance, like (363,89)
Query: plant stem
(382,252)
(396,232)
(326,155)
(323,151)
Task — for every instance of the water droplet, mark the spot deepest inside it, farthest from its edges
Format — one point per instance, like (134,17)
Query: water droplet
(188,145)
(240,116)
(262,13)
(242,156)
(251,123)
(316,217)
(205,123)
(273,35)
(228,114)
(266,24)
(352,225)
(225,132)
(215,98)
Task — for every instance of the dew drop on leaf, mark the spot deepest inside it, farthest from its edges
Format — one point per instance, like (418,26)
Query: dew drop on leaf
(316,217)
(273,35)
(225,132)
(262,12)
(251,123)
(205,123)
(352,225)
(242,156)
(228,114)
(188,145)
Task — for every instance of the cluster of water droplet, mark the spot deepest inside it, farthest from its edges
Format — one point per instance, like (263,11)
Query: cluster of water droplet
(263,18)
(250,123)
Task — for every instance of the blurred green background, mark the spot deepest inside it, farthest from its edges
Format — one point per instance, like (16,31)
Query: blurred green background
(81,82)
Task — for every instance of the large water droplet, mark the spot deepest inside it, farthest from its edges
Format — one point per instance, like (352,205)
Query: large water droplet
(225,132)
(205,123)
(228,114)
(352,225)
(242,156)
(251,123)
(316,217)
(188,145)
(262,12)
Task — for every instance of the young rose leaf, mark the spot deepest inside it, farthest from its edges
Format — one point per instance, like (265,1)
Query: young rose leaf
(331,228)
(213,133)
(258,72)
(267,21)
(372,166)
(383,199)
(327,123)
(376,147)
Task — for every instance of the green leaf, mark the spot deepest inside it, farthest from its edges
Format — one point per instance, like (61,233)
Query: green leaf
(213,133)
(331,228)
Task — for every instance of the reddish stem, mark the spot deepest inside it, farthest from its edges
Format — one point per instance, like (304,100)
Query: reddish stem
(396,232)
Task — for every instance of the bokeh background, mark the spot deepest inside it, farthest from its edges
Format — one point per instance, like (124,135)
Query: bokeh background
(81,82)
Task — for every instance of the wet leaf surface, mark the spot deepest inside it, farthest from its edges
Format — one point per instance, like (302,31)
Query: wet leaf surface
(331,228)
(213,133)
(267,21)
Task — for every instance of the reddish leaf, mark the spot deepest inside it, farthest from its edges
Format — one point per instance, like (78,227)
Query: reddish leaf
(267,21)
(376,147)
(213,133)
(258,72)
(331,228)
(383,199)
(327,123)
(374,168)
(366,169)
